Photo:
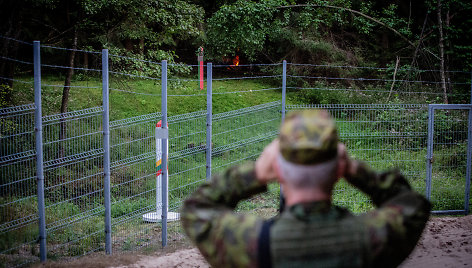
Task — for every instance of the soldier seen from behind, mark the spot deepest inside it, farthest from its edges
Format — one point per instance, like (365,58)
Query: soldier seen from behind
(307,160)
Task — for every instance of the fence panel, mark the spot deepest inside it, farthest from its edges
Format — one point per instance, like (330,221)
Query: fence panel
(384,136)
(187,164)
(18,200)
(133,186)
(449,158)
(73,176)
(241,134)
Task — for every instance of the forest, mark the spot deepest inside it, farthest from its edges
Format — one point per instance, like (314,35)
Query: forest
(427,34)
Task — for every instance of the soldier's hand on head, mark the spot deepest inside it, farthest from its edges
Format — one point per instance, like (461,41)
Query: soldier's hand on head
(265,164)
(347,166)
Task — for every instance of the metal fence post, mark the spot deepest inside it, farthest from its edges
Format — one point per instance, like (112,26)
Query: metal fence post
(468,163)
(106,148)
(209,119)
(429,156)
(469,155)
(164,153)
(284,88)
(284,93)
(38,128)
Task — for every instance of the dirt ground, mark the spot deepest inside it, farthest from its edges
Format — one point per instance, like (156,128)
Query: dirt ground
(446,242)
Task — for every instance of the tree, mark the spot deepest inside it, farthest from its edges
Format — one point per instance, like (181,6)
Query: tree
(251,26)
(145,29)
(243,26)
(11,26)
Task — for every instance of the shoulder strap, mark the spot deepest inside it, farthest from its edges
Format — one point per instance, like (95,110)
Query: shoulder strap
(264,258)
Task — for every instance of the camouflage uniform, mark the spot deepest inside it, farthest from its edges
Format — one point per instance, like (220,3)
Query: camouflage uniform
(315,234)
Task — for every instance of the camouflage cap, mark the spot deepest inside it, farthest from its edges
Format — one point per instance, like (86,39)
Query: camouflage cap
(308,137)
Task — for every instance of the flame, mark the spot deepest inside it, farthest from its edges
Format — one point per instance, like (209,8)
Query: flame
(236,60)
(233,62)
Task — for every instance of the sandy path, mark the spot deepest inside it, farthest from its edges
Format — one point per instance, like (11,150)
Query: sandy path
(446,242)
(183,259)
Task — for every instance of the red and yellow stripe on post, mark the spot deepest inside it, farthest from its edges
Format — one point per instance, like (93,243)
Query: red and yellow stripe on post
(159,167)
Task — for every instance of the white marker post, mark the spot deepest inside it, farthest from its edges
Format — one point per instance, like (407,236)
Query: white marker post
(157,216)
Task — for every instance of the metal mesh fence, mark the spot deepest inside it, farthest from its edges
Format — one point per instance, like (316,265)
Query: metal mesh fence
(187,155)
(449,160)
(133,186)
(135,190)
(73,175)
(242,134)
(385,136)
(18,202)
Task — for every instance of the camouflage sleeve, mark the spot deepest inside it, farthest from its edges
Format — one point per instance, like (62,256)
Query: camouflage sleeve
(225,238)
(396,226)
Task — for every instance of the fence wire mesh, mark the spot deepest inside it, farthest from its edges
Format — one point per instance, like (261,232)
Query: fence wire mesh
(18,201)
(241,134)
(133,186)
(73,175)
(187,155)
(449,162)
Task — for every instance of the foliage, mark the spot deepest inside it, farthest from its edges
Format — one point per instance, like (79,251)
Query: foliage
(5,92)
(457,31)
(387,14)
(146,64)
(243,26)
(264,28)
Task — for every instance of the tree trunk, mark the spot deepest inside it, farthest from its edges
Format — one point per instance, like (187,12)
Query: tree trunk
(128,44)
(141,46)
(65,91)
(441,53)
(86,61)
(70,72)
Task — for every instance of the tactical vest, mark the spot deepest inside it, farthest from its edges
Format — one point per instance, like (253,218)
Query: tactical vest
(331,239)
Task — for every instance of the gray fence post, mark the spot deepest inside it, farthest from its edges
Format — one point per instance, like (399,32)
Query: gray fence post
(284,94)
(469,154)
(209,119)
(468,163)
(429,154)
(38,129)
(106,148)
(164,153)
(284,88)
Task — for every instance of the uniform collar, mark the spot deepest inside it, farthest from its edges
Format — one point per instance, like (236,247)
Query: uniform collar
(302,210)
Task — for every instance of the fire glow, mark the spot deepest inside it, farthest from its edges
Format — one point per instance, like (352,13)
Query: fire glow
(235,61)
(231,61)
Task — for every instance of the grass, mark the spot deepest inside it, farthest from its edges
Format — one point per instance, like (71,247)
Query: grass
(88,93)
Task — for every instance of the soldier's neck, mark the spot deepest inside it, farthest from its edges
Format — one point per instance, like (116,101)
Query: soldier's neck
(297,196)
